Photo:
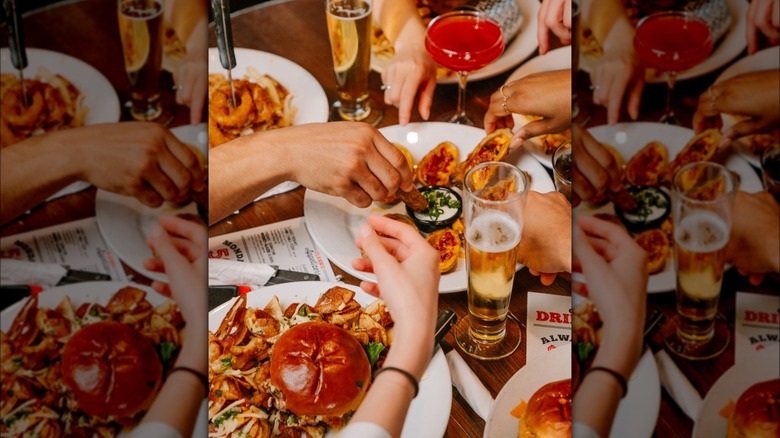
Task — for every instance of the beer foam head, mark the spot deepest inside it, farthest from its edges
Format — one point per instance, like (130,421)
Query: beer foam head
(493,231)
(702,231)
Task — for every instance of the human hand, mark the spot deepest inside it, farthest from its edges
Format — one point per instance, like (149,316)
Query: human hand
(347,159)
(139,159)
(754,246)
(750,94)
(180,248)
(763,16)
(191,76)
(619,74)
(554,16)
(615,268)
(547,95)
(594,170)
(545,246)
(411,70)
(407,271)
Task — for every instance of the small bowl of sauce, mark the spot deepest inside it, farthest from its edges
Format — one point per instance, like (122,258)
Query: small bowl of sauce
(444,208)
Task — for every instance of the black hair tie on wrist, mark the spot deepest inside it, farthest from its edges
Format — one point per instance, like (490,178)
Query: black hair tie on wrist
(201,377)
(620,379)
(405,373)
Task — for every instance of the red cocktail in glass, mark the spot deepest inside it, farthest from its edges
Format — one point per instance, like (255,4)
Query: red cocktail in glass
(464,41)
(672,41)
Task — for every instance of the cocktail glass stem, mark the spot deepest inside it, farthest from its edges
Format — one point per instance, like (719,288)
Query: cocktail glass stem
(669,117)
(460,115)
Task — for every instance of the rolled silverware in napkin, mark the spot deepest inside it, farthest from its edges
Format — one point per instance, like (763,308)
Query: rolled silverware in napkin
(232,272)
(678,386)
(467,383)
(26,272)
(16,43)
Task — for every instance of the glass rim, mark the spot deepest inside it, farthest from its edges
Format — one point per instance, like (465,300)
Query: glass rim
(510,198)
(687,14)
(474,12)
(730,191)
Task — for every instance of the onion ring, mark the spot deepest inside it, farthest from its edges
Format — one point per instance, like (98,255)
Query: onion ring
(13,106)
(221,110)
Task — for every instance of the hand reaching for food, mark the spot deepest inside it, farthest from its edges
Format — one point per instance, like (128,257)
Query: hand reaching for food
(547,96)
(409,72)
(752,96)
(763,18)
(554,16)
(545,247)
(596,170)
(191,75)
(754,246)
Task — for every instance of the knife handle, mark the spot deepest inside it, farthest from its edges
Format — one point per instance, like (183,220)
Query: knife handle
(221,11)
(444,321)
(15,35)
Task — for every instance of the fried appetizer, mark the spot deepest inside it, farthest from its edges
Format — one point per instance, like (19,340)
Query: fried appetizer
(646,167)
(702,147)
(656,244)
(392,199)
(437,166)
(447,242)
(494,147)
(414,199)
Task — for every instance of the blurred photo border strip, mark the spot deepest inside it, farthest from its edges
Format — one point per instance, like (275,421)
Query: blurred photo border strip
(757,324)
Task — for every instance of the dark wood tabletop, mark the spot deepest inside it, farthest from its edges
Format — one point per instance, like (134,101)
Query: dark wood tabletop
(297,31)
(87,30)
(672,421)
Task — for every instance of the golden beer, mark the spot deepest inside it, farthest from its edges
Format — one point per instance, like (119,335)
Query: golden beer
(141,32)
(700,242)
(491,240)
(349,30)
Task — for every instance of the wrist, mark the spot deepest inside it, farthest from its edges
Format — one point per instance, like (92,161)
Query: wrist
(411,353)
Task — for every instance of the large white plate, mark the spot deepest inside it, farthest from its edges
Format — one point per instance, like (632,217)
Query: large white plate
(766,59)
(629,138)
(521,386)
(557,59)
(521,47)
(99,94)
(124,221)
(429,412)
(92,292)
(763,365)
(731,45)
(333,222)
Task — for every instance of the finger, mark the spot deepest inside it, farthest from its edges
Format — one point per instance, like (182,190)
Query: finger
(751,31)
(567,16)
(394,86)
(174,262)
(635,97)
(198,101)
(407,94)
(591,172)
(148,196)
(592,262)
(395,165)
(547,279)
(611,232)
(756,279)
(604,160)
(744,128)
(188,230)
(615,99)
(161,288)
(356,196)
(763,18)
(363,264)
(426,98)
(154,264)
(187,164)
(542,30)
(403,233)
(370,288)
(582,187)
(536,128)
(381,260)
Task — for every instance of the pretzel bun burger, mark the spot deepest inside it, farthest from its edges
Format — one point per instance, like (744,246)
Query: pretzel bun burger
(548,412)
(320,369)
(757,413)
(112,369)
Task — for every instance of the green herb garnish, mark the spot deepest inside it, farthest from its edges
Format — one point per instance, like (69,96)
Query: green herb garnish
(373,349)
(227,362)
(583,350)
(218,392)
(166,351)
(292,420)
(94,311)
(645,201)
(304,310)
(437,200)
(227,415)
(359,384)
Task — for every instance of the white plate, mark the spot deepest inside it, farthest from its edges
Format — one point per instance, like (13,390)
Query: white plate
(763,365)
(557,59)
(629,138)
(99,95)
(521,386)
(766,59)
(728,48)
(124,221)
(333,222)
(91,292)
(429,412)
(520,48)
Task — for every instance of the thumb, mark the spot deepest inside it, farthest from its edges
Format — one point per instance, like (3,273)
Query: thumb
(371,244)
(744,128)
(163,245)
(535,128)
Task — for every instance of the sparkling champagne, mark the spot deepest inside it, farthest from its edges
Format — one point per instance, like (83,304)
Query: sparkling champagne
(491,238)
(141,32)
(349,30)
(700,242)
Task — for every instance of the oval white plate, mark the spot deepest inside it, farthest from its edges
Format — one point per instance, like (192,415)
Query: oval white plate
(557,59)
(521,47)
(429,412)
(766,59)
(628,139)
(99,95)
(521,386)
(124,221)
(333,222)
(729,47)
(762,365)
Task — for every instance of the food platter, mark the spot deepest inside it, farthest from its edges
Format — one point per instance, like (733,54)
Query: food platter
(730,46)
(99,95)
(429,412)
(629,138)
(764,60)
(124,222)
(520,48)
(333,222)
(760,366)
(521,386)
(557,59)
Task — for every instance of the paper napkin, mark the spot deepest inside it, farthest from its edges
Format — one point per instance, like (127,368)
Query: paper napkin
(758,324)
(678,386)
(549,324)
(222,271)
(468,385)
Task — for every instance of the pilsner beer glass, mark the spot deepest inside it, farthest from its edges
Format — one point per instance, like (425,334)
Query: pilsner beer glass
(703,196)
(494,203)
(141,32)
(349,31)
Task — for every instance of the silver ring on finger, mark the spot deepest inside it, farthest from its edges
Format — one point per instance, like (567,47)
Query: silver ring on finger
(385,87)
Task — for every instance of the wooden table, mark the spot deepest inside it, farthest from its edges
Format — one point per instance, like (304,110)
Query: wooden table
(297,31)
(672,421)
(87,30)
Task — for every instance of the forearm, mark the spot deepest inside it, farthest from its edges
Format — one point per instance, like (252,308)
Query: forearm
(240,171)
(185,17)
(33,170)
(400,22)
(596,401)
(602,15)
